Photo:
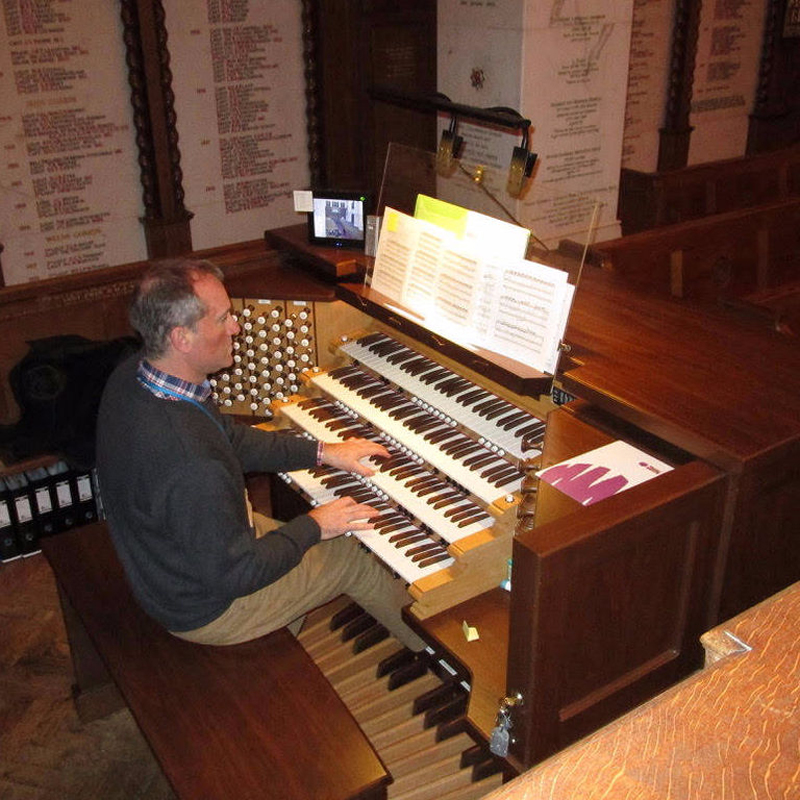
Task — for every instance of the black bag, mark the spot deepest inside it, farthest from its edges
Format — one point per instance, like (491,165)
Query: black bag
(58,386)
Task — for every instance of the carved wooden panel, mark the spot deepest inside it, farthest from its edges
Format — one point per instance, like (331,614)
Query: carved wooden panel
(674,145)
(360,44)
(166,219)
(775,121)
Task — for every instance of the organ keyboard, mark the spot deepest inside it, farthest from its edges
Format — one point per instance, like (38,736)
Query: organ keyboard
(449,491)
(492,418)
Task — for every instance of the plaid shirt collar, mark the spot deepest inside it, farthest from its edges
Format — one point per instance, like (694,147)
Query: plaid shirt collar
(154,379)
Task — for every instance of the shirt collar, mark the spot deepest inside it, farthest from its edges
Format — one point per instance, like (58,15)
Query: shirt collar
(155,381)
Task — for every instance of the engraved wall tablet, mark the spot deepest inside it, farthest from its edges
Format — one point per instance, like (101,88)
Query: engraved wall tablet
(66,135)
(240,104)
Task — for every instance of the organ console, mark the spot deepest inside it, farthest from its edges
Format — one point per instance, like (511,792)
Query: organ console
(607,602)
(605,605)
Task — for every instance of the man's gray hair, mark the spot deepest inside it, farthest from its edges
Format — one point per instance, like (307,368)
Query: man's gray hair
(165,299)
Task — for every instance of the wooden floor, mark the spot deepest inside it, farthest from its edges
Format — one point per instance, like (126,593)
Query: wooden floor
(46,753)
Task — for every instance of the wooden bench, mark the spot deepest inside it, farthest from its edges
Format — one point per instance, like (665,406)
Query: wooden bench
(256,720)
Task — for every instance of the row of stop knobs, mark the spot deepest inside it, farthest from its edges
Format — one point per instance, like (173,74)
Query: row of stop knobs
(268,356)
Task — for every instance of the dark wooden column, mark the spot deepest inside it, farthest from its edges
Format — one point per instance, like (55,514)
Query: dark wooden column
(775,121)
(314,133)
(166,220)
(360,44)
(673,151)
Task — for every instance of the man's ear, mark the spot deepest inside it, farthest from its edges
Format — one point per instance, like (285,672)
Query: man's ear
(180,338)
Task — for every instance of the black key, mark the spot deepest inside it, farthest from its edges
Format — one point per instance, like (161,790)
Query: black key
(447,500)
(435,559)
(479,461)
(473,396)
(419,552)
(404,539)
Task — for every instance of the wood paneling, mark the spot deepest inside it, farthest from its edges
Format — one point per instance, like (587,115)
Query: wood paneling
(653,199)
(728,731)
(361,44)
(609,601)
(95,304)
(721,390)
(721,257)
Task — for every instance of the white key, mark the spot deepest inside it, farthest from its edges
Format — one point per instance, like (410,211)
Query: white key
(418,506)
(489,429)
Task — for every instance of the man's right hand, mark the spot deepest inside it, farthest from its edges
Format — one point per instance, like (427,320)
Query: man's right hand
(342,515)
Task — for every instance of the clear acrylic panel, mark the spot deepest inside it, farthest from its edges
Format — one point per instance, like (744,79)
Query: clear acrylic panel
(562,226)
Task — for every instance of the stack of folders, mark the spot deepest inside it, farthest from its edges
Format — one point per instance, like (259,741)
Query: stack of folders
(43,502)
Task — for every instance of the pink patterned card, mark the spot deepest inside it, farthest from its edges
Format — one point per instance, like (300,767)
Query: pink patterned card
(603,472)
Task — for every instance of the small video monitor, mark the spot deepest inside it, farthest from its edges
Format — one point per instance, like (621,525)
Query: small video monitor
(338,219)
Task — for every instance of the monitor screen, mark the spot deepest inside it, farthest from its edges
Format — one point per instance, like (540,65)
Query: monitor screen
(338,219)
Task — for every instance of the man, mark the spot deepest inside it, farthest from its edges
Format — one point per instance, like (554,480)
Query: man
(171,475)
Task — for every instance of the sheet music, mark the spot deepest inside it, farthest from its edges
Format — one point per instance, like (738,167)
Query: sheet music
(477,231)
(424,271)
(396,246)
(527,323)
(455,287)
(496,301)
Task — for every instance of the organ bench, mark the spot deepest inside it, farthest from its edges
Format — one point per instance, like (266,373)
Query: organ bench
(255,720)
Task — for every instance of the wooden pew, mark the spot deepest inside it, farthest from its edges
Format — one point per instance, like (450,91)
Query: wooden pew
(652,199)
(256,720)
(734,258)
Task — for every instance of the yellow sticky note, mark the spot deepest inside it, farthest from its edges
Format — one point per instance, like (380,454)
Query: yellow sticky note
(470,633)
(446,215)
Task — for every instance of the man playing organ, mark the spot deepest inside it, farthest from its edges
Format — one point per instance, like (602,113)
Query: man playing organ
(171,474)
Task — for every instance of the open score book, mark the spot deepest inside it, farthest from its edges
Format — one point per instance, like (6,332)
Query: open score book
(470,282)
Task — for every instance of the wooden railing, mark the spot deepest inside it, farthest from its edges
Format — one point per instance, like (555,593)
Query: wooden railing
(748,259)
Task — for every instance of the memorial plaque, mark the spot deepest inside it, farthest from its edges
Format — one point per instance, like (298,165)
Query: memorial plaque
(240,105)
(725,78)
(70,194)
(479,51)
(575,72)
(566,65)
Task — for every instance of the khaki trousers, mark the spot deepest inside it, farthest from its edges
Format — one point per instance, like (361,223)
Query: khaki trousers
(328,569)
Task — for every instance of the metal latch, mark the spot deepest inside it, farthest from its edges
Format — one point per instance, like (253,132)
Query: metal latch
(501,736)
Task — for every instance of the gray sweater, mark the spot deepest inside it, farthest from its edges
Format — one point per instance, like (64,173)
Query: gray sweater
(172,485)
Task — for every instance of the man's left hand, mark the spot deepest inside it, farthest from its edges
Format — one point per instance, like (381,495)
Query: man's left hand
(347,455)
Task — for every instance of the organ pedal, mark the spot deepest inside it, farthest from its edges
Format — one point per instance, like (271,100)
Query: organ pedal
(415,722)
